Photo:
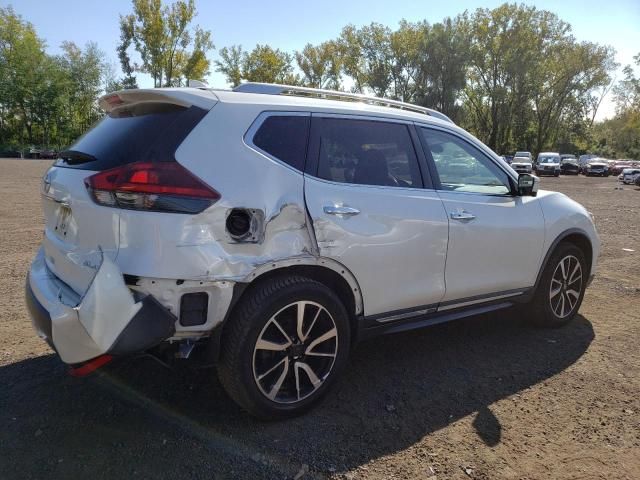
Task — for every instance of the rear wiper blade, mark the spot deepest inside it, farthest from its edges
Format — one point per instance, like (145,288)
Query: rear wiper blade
(73,157)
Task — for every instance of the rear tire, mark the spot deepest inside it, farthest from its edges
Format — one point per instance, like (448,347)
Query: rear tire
(283,346)
(561,289)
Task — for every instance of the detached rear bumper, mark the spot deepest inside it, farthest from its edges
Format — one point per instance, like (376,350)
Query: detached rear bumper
(108,319)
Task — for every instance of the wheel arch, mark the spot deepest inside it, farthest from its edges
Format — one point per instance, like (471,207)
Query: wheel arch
(324,270)
(577,237)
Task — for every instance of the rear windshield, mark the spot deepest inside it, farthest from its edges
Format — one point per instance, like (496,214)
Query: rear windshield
(147,132)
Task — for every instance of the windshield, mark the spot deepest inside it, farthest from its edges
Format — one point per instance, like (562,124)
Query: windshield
(570,160)
(523,154)
(549,159)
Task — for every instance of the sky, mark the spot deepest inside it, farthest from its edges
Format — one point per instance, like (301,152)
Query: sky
(290,24)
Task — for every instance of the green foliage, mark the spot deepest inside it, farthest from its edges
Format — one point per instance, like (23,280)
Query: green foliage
(320,65)
(44,100)
(620,136)
(262,64)
(161,36)
(514,75)
(528,78)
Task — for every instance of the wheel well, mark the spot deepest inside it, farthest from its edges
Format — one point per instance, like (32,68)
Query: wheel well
(583,244)
(326,276)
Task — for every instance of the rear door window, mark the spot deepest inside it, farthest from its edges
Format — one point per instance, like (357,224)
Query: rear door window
(366,152)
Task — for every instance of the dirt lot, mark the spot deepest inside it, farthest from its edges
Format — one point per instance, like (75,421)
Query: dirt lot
(487,397)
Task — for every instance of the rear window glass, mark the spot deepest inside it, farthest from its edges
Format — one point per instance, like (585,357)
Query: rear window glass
(151,132)
(285,138)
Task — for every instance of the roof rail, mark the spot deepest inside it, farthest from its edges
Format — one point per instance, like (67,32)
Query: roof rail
(275,89)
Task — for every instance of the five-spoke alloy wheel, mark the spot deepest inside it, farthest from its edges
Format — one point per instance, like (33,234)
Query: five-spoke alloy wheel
(284,344)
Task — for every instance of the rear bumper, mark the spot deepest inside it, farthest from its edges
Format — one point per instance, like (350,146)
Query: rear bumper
(108,319)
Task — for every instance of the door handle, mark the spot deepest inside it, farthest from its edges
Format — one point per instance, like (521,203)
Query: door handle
(462,216)
(340,210)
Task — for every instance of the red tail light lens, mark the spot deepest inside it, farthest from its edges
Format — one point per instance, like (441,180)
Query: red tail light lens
(152,186)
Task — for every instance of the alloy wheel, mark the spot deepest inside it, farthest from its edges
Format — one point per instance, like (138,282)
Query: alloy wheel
(295,352)
(566,286)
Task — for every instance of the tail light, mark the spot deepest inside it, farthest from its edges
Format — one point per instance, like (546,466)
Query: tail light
(151,186)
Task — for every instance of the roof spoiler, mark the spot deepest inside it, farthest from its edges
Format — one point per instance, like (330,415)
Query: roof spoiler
(175,96)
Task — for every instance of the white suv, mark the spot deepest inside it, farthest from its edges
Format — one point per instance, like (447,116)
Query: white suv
(270,228)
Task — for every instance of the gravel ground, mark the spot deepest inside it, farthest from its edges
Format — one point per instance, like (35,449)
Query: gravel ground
(486,397)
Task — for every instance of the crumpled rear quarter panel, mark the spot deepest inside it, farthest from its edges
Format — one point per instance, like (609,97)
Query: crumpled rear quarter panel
(198,247)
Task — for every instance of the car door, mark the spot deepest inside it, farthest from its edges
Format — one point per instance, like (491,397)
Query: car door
(364,193)
(495,237)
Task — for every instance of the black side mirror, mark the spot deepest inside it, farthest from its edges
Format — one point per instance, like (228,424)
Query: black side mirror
(528,185)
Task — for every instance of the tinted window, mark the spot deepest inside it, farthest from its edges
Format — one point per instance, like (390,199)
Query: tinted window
(285,138)
(367,153)
(147,132)
(462,167)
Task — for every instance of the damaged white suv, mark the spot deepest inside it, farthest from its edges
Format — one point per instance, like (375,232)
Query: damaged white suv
(269,228)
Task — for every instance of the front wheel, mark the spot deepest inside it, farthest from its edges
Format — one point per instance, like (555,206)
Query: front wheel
(284,345)
(561,288)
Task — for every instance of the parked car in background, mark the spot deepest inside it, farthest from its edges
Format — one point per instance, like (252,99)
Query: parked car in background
(522,162)
(508,158)
(48,154)
(569,166)
(548,163)
(33,152)
(629,175)
(638,181)
(596,166)
(584,159)
(619,166)
(150,245)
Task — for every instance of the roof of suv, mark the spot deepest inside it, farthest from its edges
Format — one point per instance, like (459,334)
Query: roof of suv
(295,102)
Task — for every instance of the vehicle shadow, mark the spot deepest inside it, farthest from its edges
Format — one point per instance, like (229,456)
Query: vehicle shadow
(396,390)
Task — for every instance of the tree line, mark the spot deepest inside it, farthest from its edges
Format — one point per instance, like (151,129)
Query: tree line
(514,76)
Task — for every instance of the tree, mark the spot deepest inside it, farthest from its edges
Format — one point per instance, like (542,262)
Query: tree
(22,76)
(230,64)
(526,73)
(441,65)
(262,64)
(627,92)
(320,65)
(161,36)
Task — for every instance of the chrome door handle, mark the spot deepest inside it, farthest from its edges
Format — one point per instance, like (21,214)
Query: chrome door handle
(340,210)
(462,215)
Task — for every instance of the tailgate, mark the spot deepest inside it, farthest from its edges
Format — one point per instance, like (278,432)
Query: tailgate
(76,229)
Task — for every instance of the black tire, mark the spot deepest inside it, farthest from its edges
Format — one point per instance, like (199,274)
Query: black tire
(541,308)
(249,323)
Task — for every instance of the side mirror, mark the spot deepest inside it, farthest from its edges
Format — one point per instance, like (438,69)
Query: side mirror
(528,185)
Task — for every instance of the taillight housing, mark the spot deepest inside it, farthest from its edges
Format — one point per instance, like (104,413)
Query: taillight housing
(151,186)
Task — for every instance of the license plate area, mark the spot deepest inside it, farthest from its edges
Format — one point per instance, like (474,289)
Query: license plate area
(63,220)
